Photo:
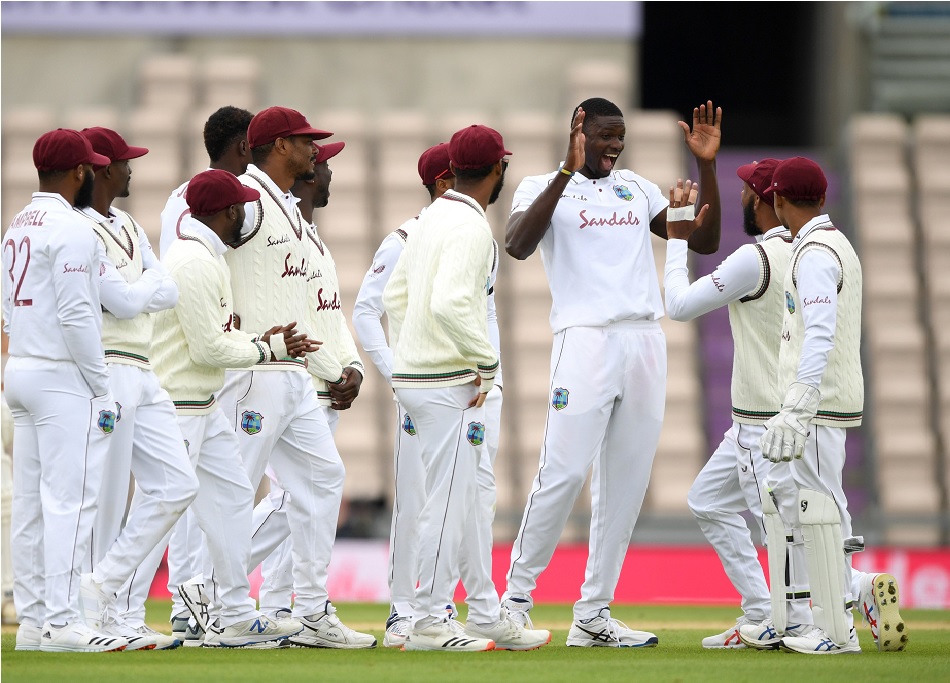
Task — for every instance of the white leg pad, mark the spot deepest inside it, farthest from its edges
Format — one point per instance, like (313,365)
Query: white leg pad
(824,555)
(777,548)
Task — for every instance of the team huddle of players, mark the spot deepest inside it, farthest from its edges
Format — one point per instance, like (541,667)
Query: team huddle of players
(230,359)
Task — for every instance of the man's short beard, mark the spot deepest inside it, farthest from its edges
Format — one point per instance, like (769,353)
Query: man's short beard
(496,191)
(84,193)
(748,220)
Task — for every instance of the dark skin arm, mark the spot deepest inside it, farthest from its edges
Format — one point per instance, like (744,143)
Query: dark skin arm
(342,395)
(526,228)
(297,344)
(685,196)
(703,141)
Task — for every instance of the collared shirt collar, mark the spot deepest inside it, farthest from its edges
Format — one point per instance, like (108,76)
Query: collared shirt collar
(809,227)
(199,229)
(289,200)
(452,195)
(52,195)
(777,230)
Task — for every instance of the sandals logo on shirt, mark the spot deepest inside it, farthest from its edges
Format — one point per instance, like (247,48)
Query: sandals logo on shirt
(559,398)
(789,303)
(106,421)
(251,422)
(476,433)
(623,192)
(408,427)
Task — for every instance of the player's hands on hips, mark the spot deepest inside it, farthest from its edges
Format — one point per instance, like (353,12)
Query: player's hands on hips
(684,195)
(786,433)
(704,138)
(576,156)
(342,395)
(479,399)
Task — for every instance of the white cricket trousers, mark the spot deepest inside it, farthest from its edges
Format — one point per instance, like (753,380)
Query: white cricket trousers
(278,420)
(61,435)
(729,484)
(451,436)
(608,393)
(269,524)
(820,468)
(146,441)
(409,499)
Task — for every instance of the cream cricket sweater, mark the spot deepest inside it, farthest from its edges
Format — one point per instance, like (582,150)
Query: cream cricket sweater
(437,299)
(326,322)
(195,342)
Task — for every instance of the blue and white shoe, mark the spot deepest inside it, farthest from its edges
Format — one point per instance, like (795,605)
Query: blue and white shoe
(763,636)
(255,631)
(817,642)
(604,631)
(187,631)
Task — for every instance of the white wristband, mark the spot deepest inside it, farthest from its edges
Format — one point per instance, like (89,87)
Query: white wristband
(277,346)
(682,213)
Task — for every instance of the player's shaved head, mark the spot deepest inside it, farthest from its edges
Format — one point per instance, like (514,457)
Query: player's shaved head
(223,128)
(596,107)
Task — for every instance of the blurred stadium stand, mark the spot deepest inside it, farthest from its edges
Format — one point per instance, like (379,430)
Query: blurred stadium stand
(890,192)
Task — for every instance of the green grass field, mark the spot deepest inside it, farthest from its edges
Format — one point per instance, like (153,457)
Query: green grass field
(679,657)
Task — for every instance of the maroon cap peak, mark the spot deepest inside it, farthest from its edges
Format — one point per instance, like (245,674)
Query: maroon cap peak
(758,176)
(280,122)
(63,149)
(110,144)
(328,151)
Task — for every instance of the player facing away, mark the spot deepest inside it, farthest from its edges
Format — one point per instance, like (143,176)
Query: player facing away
(819,371)
(474,558)
(57,385)
(444,366)
(194,343)
(337,379)
(750,282)
(142,443)
(274,407)
(592,222)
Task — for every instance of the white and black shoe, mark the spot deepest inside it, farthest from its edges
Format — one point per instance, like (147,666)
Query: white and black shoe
(256,631)
(446,635)
(193,595)
(508,634)
(325,629)
(185,629)
(78,637)
(604,631)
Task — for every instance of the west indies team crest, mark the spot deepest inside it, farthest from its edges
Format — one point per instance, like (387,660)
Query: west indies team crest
(251,422)
(106,421)
(408,427)
(476,433)
(623,192)
(559,398)
(789,303)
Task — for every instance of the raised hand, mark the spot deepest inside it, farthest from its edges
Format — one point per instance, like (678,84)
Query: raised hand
(576,156)
(705,136)
(684,195)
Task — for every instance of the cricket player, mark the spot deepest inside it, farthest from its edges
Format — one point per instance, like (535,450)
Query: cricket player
(443,368)
(608,365)
(57,385)
(437,178)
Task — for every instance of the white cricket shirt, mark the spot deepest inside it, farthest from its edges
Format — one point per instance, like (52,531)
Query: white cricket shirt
(596,252)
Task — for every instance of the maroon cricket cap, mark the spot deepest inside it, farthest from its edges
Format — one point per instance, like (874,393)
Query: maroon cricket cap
(280,122)
(110,144)
(758,176)
(63,149)
(799,178)
(212,191)
(476,147)
(434,164)
(328,151)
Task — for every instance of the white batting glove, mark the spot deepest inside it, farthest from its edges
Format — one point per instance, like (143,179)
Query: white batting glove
(785,433)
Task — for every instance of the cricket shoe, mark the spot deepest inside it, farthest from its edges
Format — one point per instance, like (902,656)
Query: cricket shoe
(728,639)
(324,629)
(78,637)
(93,602)
(508,634)
(518,608)
(28,637)
(397,630)
(255,631)
(190,634)
(763,636)
(446,635)
(193,595)
(879,601)
(604,631)
(141,638)
(817,642)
